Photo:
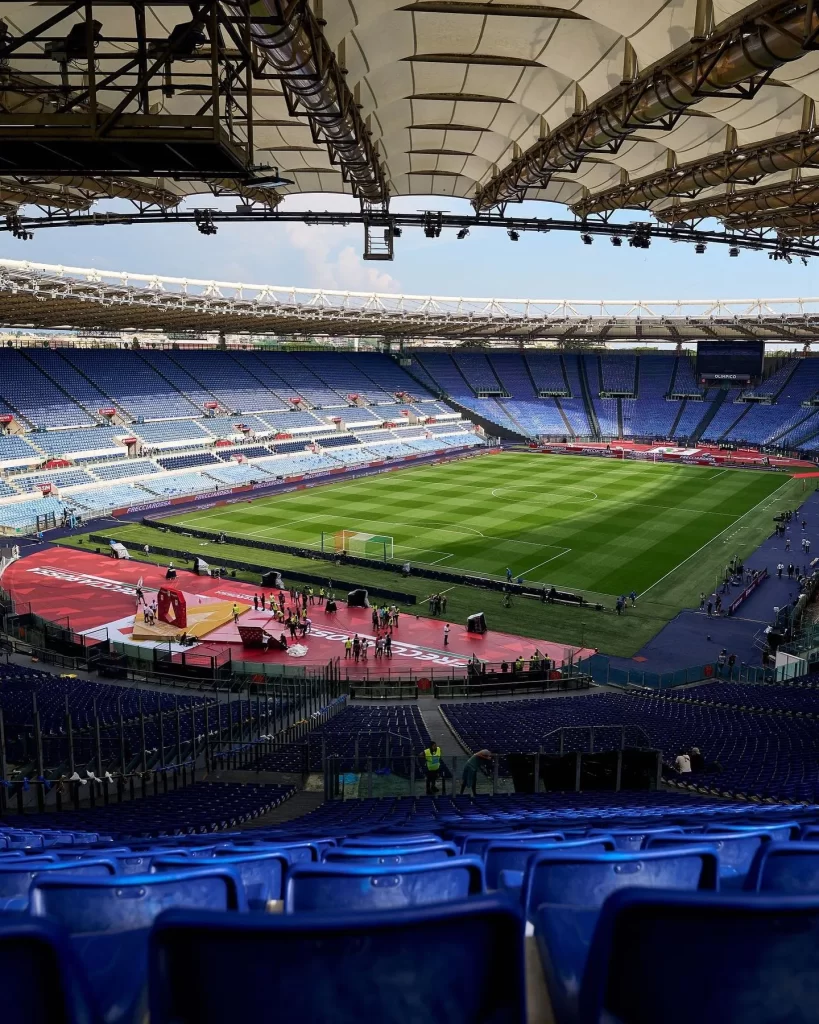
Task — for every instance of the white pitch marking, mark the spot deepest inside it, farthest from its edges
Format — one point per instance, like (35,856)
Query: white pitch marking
(565,551)
(767,498)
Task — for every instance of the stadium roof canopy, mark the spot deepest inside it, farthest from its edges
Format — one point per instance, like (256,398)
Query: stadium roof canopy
(39,296)
(687,108)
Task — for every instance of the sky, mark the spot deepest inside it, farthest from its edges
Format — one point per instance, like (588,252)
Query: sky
(486,264)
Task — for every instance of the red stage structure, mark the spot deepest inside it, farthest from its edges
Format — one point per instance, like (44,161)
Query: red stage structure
(171,607)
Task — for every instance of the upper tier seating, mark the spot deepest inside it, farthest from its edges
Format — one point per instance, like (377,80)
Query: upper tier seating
(28,391)
(684,381)
(166,364)
(133,383)
(229,381)
(477,371)
(388,375)
(619,372)
(547,372)
(777,380)
(301,380)
(85,392)
(345,376)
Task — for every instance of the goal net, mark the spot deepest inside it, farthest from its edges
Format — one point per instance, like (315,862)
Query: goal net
(367,545)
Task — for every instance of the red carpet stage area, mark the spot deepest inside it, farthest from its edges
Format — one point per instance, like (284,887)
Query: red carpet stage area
(96,596)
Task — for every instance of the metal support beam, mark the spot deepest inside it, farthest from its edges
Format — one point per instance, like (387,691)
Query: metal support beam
(735,60)
(741,208)
(290,37)
(744,164)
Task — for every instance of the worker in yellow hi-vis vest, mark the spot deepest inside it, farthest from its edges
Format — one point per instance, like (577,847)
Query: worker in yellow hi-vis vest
(432,759)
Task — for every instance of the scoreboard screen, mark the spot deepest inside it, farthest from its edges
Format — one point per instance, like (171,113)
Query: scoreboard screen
(731,361)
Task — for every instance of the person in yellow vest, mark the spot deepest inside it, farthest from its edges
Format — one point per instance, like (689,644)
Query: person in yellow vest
(432,757)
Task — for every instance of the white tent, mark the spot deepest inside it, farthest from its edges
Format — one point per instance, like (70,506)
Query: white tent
(119,550)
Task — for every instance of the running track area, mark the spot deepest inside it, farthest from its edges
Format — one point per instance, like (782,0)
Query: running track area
(95,595)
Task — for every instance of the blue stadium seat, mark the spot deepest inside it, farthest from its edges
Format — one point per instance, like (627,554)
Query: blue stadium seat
(109,920)
(296,853)
(261,873)
(346,887)
(374,839)
(390,856)
(789,868)
(631,839)
(580,879)
(17,876)
(459,964)
(753,959)
(475,843)
(562,895)
(736,851)
(511,858)
(40,979)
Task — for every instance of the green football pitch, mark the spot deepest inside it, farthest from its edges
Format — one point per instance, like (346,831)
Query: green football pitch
(600,526)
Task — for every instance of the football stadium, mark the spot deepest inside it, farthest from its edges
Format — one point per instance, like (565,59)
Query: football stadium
(377,654)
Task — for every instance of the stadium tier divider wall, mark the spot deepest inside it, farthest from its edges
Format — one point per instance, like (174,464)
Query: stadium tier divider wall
(440,575)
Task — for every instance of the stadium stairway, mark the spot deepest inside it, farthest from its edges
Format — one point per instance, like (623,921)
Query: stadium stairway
(587,397)
(560,409)
(710,413)
(492,429)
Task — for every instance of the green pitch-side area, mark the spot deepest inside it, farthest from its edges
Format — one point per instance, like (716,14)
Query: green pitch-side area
(588,524)
(601,526)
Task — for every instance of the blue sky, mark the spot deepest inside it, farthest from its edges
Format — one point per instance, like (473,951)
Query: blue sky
(484,264)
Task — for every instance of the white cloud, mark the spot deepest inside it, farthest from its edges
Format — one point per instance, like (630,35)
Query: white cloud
(332,255)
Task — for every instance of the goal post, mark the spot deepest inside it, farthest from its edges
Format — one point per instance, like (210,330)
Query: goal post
(359,542)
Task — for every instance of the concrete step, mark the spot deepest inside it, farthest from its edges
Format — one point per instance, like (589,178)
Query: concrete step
(299,804)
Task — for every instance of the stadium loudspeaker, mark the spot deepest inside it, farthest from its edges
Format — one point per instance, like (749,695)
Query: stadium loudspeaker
(476,623)
(273,580)
(358,599)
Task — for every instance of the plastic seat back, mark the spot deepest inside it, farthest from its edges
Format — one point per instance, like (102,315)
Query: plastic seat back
(425,838)
(787,868)
(757,959)
(109,920)
(627,840)
(475,843)
(17,876)
(296,853)
(462,963)
(736,851)
(501,855)
(389,856)
(350,887)
(585,880)
(40,979)
(261,873)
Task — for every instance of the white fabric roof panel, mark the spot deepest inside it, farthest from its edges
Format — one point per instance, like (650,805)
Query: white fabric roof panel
(453,91)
